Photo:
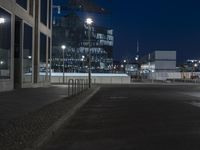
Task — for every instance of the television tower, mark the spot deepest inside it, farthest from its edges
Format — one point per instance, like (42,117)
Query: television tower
(138,50)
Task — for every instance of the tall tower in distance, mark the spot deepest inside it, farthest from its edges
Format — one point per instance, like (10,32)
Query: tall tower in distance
(137,52)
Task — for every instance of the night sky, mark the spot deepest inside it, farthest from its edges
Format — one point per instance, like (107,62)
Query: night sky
(157,24)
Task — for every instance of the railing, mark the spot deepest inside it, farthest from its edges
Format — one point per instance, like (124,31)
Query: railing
(76,86)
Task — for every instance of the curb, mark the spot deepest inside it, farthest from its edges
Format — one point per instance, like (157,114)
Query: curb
(64,119)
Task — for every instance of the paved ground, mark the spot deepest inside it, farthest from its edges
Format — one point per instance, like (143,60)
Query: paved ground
(136,117)
(19,102)
(27,114)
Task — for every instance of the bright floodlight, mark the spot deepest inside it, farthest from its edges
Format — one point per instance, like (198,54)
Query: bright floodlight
(2,20)
(89,21)
(63,47)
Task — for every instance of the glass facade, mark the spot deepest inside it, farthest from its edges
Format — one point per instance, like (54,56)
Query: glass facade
(49,58)
(22,3)
(50,9)
(27,54)
(5,44)
(31,3)
(43,49)
(43,11)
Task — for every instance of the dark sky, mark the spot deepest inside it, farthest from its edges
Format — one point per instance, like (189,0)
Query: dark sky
(157,24)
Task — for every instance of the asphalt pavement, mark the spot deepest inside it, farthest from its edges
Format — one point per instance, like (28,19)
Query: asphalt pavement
(33,114)
(134,117)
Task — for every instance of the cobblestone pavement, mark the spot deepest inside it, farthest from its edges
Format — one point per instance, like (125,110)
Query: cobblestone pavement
(19,102)
(30,112)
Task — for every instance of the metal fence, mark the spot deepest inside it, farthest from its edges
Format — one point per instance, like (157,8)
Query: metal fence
(76,86)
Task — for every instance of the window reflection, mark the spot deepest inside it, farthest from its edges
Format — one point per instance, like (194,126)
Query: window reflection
(22,3)
(43,11)
(27,54)
(43,48)
(5,48)
(49,58)
(50,9)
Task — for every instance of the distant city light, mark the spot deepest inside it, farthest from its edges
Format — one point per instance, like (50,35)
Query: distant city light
(124,61)
(29,57)
(2,20)
(122,66)
(195,65)
(1,62)
(89,21)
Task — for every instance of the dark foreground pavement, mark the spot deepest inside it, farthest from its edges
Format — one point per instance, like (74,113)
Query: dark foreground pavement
(29,115)
(138,117)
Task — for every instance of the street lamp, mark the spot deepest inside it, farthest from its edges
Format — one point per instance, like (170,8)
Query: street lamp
(89,22)
(1,62)
(2,20)
(63,47)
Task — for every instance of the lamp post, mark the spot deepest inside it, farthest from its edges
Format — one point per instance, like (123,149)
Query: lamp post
(2,20)
(89,22)
(63,47)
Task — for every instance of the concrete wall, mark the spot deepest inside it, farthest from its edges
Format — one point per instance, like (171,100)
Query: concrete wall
(165,75)
(165,65)
(6,85)
(171,75)
(165,55)
(95,79)
(165,60)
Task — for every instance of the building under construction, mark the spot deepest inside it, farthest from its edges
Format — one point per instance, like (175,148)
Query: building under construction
(71,30)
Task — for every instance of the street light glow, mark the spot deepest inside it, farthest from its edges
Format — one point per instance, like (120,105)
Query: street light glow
(89,21)
(2,20)
(1,62)
(63,47)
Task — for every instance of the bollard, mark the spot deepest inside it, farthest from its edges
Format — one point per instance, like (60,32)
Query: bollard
(71,87)
(77,86)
